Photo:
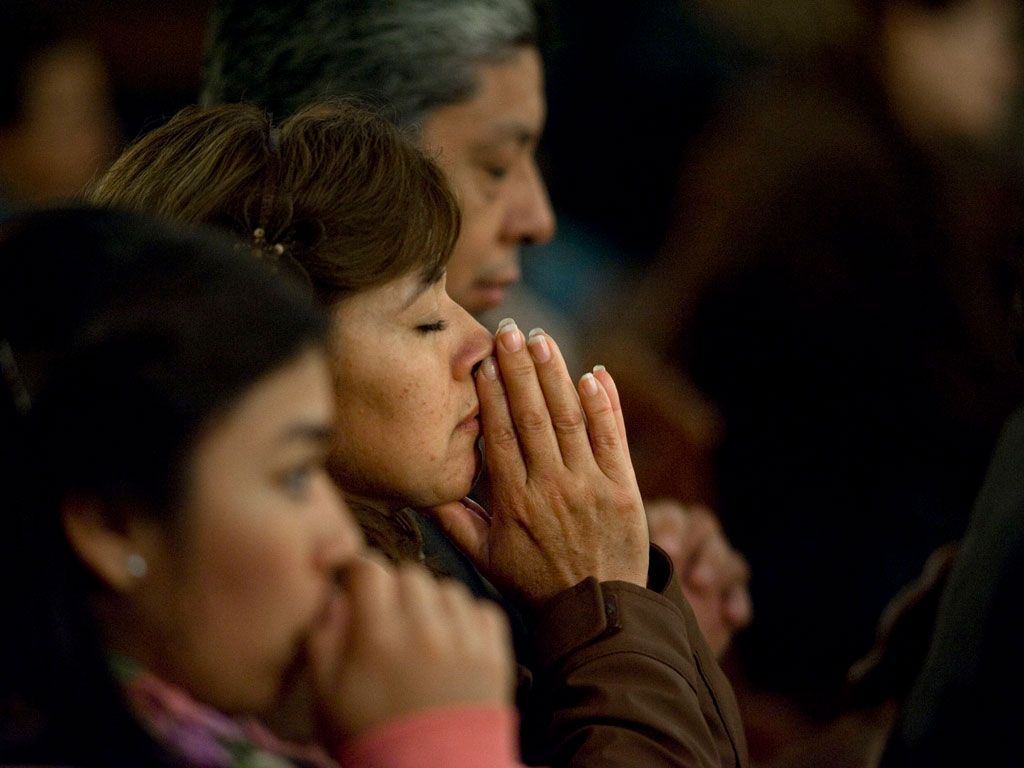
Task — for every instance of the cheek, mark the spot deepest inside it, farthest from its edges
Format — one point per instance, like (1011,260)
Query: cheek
(464,263)
(243,614)
(265,577)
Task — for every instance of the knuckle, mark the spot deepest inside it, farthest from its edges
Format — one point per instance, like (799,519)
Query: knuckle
(571,422)
(605,441)
(532,420)
(519,367)
(504,436)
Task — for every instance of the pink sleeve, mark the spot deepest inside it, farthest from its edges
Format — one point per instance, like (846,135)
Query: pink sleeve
(452,737)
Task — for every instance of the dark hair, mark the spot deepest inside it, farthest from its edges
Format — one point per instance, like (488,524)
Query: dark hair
(336,189)
(121,339)
(405,56)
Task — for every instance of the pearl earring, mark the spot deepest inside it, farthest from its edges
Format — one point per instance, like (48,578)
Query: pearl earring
(136,565)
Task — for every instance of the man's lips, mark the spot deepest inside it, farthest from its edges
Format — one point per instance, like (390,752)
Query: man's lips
(491,292)
(489,295)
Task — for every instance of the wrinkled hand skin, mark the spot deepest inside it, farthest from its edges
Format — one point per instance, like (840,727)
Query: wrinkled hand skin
(565,503)
(396,641)
(714,577)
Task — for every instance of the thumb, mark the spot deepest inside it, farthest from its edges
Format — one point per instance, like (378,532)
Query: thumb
(468,525)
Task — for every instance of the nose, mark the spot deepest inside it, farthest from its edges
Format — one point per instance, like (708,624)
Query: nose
(530,218)
(474,343)
(341,540)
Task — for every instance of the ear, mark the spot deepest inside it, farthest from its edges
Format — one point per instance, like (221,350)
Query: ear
(104,547)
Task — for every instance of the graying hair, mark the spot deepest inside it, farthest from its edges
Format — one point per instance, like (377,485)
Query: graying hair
(406,57)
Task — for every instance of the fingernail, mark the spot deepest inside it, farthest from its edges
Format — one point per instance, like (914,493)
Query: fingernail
(503,323)
(538,345)
(600,368)
(510,336)
(490,368)
(589,383)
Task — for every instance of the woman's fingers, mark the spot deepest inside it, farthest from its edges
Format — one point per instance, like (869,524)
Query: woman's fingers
(605,436)
(396,640)
(526,400)
(546,412)
(501,440)
(563,403)
(602,375)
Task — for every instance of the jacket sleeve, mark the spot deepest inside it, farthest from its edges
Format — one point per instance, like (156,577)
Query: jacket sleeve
(452,737)
(623,677)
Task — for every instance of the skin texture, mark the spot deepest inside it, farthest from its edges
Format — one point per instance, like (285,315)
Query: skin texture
(486,147)
(565,501)
(407,427)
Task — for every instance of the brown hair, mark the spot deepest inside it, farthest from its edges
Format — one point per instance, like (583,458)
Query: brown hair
(335,189)
(336,193)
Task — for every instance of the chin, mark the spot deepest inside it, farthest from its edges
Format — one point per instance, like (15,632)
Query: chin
(459,486)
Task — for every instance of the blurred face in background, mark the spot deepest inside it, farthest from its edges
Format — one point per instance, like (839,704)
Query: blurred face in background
(65,132)
(486,147)
(954,71)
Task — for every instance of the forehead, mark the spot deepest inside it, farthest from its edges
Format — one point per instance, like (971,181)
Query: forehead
(383,301)
(297,394)
(506,107)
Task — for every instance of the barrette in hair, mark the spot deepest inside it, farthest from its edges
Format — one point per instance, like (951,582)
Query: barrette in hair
(259,239)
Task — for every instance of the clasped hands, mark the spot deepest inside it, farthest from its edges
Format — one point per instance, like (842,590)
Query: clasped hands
(564,499)
(565,502)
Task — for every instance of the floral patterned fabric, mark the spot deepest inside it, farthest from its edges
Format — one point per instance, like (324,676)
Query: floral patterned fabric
(202,736)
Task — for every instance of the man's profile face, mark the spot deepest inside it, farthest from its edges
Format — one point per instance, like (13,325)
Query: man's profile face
(486,147)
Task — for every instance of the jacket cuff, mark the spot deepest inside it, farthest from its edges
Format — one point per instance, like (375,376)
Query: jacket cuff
(593,610)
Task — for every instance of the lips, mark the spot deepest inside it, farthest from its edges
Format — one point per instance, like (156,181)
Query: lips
(490,291)
(489,295)
(471,423)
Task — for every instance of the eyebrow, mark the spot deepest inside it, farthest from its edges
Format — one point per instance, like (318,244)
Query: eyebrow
(515,131)
(313,432)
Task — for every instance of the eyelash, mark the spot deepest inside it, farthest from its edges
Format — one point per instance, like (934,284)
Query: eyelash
(440,325)
(496,172)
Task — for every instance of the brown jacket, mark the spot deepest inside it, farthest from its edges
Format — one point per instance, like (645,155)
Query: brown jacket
(622,676)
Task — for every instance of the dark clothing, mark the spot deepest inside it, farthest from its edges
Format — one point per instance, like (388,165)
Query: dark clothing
(966,704)
(615,675)
(831,290)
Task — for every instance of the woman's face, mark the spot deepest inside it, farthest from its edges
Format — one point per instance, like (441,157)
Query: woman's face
(231,597)
(407,408)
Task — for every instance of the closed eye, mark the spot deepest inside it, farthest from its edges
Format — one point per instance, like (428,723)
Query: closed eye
(440,325)
(497,172)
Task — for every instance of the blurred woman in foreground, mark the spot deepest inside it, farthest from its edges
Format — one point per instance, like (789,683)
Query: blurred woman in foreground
(175,549)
